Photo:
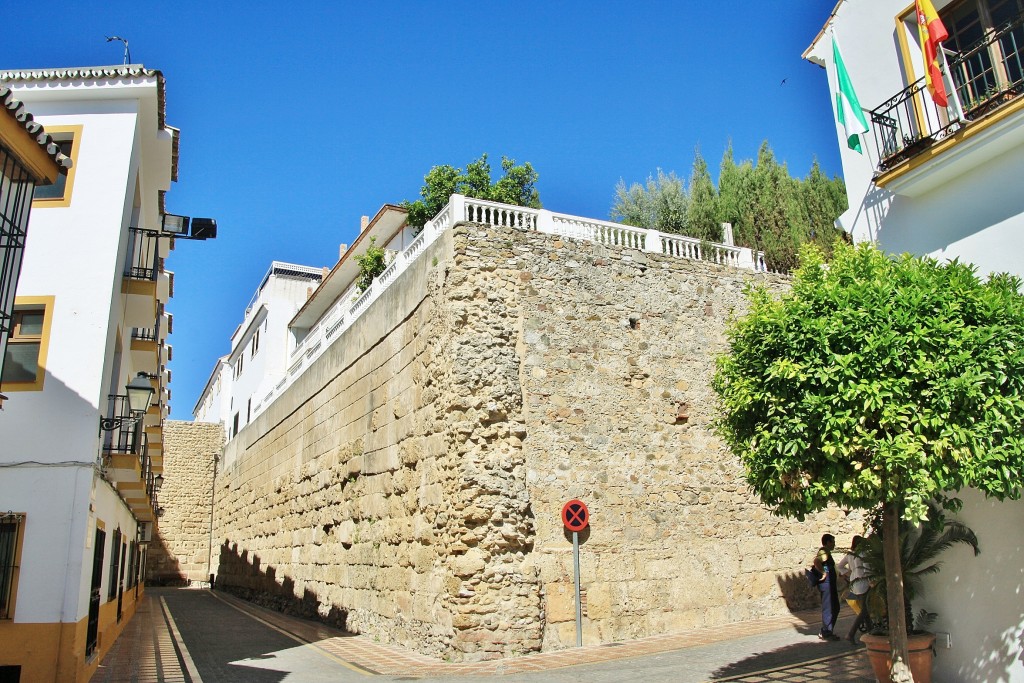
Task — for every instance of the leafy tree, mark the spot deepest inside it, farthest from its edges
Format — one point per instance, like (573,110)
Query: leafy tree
(633,205)
(735,204)
(517,186)
(662,205)
(823,199)
(372,263)
(877,382)
(702,210)
(769,210)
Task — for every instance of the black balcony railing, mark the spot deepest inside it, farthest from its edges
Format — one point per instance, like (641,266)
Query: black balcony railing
(122,429)
(143,261)
(141,334)
(983,78)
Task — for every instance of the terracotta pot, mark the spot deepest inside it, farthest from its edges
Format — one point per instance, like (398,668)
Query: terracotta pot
(921,655)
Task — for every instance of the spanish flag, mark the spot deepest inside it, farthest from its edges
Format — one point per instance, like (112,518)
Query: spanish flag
(932,33)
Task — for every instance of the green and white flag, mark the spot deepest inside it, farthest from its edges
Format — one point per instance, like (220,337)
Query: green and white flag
(848,111)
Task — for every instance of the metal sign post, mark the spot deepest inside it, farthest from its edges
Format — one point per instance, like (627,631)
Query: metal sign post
(576,580)
(576,517)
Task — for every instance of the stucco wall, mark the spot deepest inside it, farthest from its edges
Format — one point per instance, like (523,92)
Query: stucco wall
(409,484)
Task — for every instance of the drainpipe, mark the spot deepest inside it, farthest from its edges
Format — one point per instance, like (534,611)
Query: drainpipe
(209,547)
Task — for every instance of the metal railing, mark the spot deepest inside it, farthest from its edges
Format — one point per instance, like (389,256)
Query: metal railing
(143,260)
(121,428)
(978,81)
(142,334)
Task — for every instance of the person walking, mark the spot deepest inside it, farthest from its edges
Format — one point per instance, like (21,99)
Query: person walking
(826,566)
(856,572)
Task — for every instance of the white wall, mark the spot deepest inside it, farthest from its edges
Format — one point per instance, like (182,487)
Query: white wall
(980,600)
(74,254)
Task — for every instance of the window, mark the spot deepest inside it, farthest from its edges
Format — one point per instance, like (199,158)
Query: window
(239,364)
(988,37)
(234,426)
(11,533)
(115,556)
(25,358)
(255,342)
(59,193)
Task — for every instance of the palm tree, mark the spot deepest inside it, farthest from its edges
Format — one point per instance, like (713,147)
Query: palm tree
(920,547)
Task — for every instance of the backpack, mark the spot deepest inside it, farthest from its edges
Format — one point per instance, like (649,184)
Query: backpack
(814,577)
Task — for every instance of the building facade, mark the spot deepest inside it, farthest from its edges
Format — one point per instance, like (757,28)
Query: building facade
(85,372)
(29,158)
(259,347)
(943,180)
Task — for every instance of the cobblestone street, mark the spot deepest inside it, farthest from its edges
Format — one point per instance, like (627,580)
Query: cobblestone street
(181,635)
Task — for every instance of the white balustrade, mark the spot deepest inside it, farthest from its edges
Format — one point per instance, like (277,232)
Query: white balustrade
(341,316)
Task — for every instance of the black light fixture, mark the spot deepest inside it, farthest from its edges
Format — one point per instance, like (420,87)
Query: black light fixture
(204,228)
(158,481)
(176,225)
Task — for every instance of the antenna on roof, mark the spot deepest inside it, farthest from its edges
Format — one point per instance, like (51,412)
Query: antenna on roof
(127,52)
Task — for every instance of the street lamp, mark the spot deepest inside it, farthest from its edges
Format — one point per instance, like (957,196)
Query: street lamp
(177,226)
(140,394)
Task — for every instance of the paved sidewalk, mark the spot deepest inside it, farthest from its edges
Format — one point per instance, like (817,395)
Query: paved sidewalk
(222,638)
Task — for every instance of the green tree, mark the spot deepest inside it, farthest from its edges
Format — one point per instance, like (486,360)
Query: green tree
(516,186)
(702,210)
(824,200)
(779,227)
(877,382)
(735,204)
(372,263)
(662,205)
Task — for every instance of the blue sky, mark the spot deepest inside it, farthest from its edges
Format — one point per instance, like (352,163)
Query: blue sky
(298,118)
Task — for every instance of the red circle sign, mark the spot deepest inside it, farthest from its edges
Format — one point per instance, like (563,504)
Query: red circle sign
(575,515)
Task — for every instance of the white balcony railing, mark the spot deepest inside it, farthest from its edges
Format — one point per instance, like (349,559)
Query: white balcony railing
(348,308)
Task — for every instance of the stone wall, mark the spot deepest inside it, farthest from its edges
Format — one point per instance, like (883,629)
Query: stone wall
(180,550)
(409,484)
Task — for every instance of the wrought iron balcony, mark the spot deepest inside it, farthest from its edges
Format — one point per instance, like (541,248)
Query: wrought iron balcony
(121,429)
(983,78)
(143,262)
(146,335)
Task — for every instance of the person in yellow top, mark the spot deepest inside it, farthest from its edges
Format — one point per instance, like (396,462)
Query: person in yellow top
(856,572)
(826,566)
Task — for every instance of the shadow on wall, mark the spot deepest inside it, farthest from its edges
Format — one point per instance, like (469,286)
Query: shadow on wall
(977,599)
(162,567)
(242,576)
(797,592)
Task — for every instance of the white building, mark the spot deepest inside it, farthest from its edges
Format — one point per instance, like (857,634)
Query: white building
(259,347)
(945,181)
(79,468)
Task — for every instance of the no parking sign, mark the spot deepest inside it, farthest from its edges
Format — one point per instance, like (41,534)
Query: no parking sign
(576,518)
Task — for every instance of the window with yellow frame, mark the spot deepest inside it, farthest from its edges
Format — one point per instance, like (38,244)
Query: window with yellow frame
(58,194)
(24,367)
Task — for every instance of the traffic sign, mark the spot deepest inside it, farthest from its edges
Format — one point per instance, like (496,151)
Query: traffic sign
(575,515)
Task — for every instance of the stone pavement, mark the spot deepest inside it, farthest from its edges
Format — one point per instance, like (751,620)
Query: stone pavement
(197,636)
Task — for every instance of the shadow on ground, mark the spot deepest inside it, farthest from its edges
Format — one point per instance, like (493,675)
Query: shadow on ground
(244,576)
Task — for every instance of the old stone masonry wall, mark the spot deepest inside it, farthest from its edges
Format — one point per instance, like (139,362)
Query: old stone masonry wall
(409,484)
(181,547)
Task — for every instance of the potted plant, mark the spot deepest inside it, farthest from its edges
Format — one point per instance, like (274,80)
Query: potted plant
(920,547)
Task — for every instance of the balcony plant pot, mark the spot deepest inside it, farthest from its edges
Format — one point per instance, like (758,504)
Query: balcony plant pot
(921,655)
